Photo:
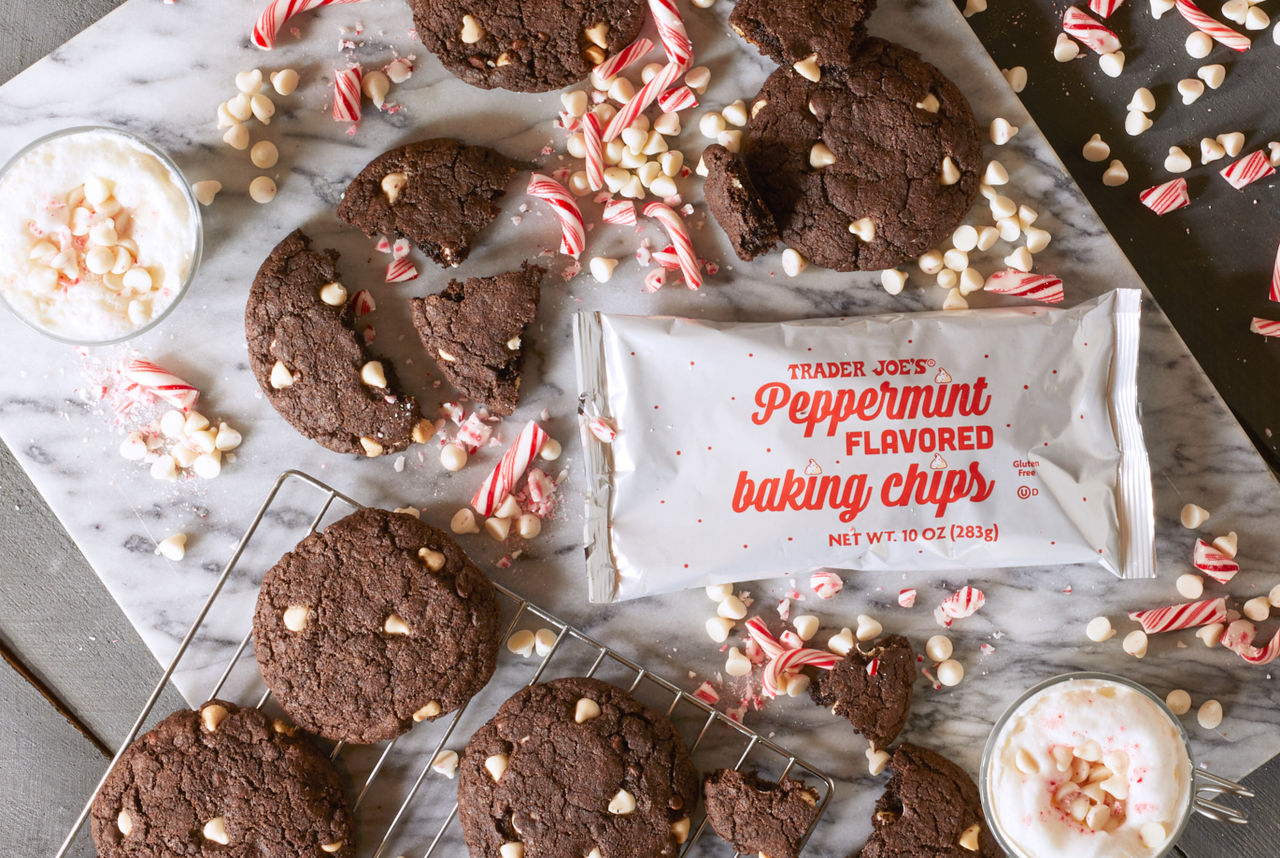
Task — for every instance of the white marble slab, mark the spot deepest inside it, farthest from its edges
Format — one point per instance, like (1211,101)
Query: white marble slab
(160,70)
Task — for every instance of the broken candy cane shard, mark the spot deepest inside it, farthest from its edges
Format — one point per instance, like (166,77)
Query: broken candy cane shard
(643,97)
(1082,26)
(759,633)
(1104,7)
(1219,32)
(707,694)
(273,18)
(1262,655)
(623,58)
(162,383)
(1170,196)
(1038,287)
(594,151)
(500,482)
(602,429)
(346,94)
(1248,170)
(1185,616)
(401,271)
(573,232)
(677,99)
(675,228)
(825,584)
(671,30)
(907,598)
(619,212)
(362,303)
(1213,562)
(1265,327)
(791,659)
(964,602)
(1274,294)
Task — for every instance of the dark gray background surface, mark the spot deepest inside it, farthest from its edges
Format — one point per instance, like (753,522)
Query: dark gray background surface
(1207,267)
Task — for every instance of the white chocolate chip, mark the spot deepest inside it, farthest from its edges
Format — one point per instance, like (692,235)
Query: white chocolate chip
(1190,89)
(1227,544)
(1135,643)
(664,186)
(1037,239)
(124,822)
(334,294)
(1096,149)
(820,156)
(471,32)
(1274,596)
(551,450)
(453,457)
(668,124)
(868,628)
(719,592)
(207,465)
(1192,516)
(995,174)
(971,280)
(1235,10)
(262,190)
(954,301)
(212,715)
(133,447)
(1016,77)
(950,672)
(877,761)
(575,104)
(1213,74)
(731,140)
(295,617)
(698,78)
(793,263)
(732,608)
(373,374)
(514,849)
(264,154)
(930,262)
(1199,45)
(893,280)
(281,377)
(1136,122)
(841,642)
(522,642)
(1019,260)
(1178,701)
(1152,834)
(806,626)
(956,259)
(496,766)
(938,648)
(206,190)
(173,547)
(622,803)
(498,528)
(948,279)
(1257,609)
(1189,585)
(375,85)
(602,268)
(395,625)
(1026,762)
(249,81)
(737,664)
(216,830)
(1211,634)
(864,228)
(1116,174)
(263,108)
(510,508)
(431,710)
(1002,131)
(284,81)
(808,68)
(969,838)
(464,521)
(445,763)
(1142,101)
(372,448)
(1065,49)
(718,628)
(621,90)
(240,107)
(680,829)
(1257,19)
(654,144)
(735,114)
(585,710)
(392,184)
(948,173)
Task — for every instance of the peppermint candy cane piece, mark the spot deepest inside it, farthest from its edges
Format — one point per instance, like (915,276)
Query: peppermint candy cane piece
(1219,32)
(1274,295)
(707,694)
(346,94)
(401,271)
(619,212)
(161,383)
(1265,327)
(675,39)
(1170,196)
(502,480)
(964,602)
(667,258)
(1248,170)
(400,249)
(907,597)
(825,584)
(645,95)
(602,430)
(791,660)
(623,58)
(1104,7)
(1213,563)
(1185,616)
(573,235)
(759,632)
(1263,655)
(473,433)
(1038,287)
(362,303)
(676,99)
(675,228)
(595,151)
(655,280)
(1082,26)
(273,18)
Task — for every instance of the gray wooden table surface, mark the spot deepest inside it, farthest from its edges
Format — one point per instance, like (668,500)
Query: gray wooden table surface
(60,622)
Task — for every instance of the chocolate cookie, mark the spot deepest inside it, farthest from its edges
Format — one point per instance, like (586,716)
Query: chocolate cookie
(572,766)
(736,205)
(759,816)
(871,687)
(372,624)
(869,169)
(525,45)
(310,362)
(437,193)
(222,781)
(929,807)
(474,330)
(825,33)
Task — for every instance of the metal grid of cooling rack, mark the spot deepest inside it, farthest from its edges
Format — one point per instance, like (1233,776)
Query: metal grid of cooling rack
(706,719)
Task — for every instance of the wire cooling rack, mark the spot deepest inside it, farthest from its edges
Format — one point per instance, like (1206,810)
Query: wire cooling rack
(402,804)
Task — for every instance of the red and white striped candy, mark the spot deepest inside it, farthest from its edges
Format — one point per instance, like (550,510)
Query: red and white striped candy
(1274,294)
(623,58)
(400,249)
(907,598)
(602,429)
(159,382)
(1038,287)
(667,258)
(382,245)
(346,94)
(1265,327)
(401,271)
(1104,7)
(473,433)
(1263,655)
(790,640)
(362,303)
(644,96)
(495,488)
(273,18)
(1185,616)
(675,39)
(873,666)
(541,486)
(569,122)
(655,280)
(791,660)
(677,98)
(707,694)
(619,212)
(759,633)
(595,151)
(1248,170)
(573,231)
(1213,562)
(1079,24)
(825,584)
(675,228)
(964,602)
(1221,33)
(1170,196)
(1238,636)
